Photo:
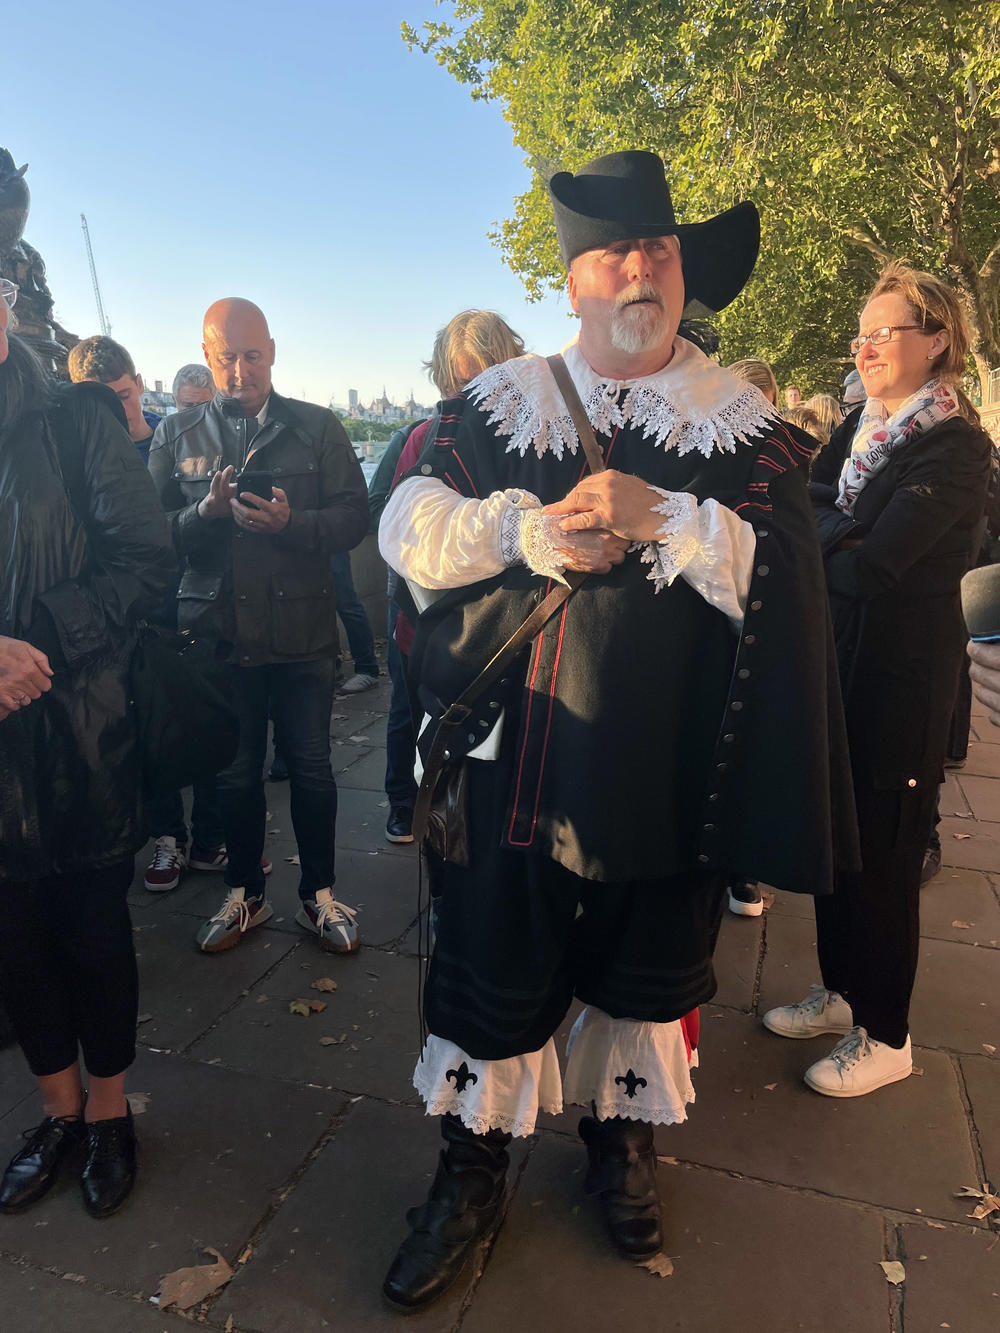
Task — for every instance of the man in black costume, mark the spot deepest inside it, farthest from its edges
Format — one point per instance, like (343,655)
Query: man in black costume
(632,758)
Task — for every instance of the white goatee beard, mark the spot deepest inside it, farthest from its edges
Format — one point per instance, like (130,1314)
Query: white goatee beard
(636,327)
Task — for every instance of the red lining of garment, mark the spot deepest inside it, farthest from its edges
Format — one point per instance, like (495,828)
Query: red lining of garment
(691,1027)
(465,470)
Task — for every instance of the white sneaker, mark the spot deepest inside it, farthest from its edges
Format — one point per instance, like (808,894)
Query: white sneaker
(857,1065)
(164,871)
(358,683)
(821,1011)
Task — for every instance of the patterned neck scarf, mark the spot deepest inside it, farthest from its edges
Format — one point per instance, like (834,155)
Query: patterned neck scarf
(879,434)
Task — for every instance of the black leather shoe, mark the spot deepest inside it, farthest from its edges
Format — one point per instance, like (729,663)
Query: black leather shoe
(32,1172)
(399,825)
(623,1172)
(110,1169)
(463,1205)
(278,772)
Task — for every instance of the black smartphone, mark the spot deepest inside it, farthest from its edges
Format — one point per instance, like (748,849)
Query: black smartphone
(257,483)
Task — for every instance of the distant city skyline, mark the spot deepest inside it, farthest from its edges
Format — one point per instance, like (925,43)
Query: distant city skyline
(239,150)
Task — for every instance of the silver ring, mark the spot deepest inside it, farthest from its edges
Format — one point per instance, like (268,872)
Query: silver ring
(22,699)
(249,522)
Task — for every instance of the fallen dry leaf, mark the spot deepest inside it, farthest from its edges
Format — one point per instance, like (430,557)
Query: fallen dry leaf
(661,1265)
(229,1325)
(299,1007)
(293,860)
(244,1257)
(668,1161)
(992,1050)
(324,983)
(770,1087)
(144,1018)
(338,717)
(328,1041)
(938,1226)
(960,837)
(918,1071)
(989,1203)
(317,1006)
(963,925)
(893,1270)
(138,1101)
(190,1286)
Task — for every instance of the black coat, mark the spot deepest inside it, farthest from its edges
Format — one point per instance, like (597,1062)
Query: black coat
(272,596)
(895,595)
(73,584)
(643,737)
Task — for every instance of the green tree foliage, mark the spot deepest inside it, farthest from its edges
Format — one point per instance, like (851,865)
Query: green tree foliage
(864,130)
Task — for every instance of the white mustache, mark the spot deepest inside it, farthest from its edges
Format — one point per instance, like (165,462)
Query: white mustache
(639,291)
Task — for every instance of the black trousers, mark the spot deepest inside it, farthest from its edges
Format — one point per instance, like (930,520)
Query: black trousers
(68,973)
(868,931)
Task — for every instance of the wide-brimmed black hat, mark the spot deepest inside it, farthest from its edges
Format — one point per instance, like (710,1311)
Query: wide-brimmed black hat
(624,195)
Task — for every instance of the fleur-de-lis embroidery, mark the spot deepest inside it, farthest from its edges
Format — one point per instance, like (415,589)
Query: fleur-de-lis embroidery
(463,1076)
(632,1082)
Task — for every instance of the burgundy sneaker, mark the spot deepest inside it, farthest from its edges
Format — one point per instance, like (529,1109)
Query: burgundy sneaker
(207,858)
(164,871)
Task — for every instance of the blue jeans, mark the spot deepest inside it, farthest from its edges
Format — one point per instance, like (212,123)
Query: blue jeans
(400,733)
(352,613)
(299,696)
(165,816)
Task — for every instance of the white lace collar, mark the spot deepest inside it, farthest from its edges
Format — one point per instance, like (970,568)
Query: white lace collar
(692,403)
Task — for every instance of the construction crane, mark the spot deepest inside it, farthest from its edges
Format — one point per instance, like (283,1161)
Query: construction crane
(105,326)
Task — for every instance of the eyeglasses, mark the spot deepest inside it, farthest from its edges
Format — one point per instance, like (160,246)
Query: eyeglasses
(883,335)
(8,290)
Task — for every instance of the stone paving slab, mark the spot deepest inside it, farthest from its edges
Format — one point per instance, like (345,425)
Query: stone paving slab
(952,1280)
(374,1008)
(790,963)
(36,1302)
(982,1080)
(953,800)
(955,1004)
(16,1082)
(965,896)
(736,958)
(361,826)
(553,1264)
(971,844)
(982,794)
(183,990)
(791,904)
(216,1149)
(364,770)
(906,1146)
(323,1259)
(984,758)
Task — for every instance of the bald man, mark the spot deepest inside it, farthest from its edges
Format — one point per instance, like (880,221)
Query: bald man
(260,490)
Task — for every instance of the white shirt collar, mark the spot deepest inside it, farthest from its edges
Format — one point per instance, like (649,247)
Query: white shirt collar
(692,403)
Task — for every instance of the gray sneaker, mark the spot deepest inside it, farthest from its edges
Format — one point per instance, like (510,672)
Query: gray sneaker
(821,1011)
(235,917)
(358,683)
(334,923)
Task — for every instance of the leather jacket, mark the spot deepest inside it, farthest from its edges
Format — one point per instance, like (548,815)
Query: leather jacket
(270,596)
(78,569)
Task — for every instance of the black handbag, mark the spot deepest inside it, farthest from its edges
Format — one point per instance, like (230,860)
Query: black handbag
(187,729)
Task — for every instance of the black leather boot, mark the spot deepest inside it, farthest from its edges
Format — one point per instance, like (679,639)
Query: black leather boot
(110,1169)
(463,1204)
(623,1172)
(32,1172)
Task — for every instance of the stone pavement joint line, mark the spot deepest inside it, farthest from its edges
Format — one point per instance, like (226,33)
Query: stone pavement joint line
(779,1204)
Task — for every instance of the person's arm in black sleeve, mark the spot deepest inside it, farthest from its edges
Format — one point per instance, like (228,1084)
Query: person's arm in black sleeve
(341,521)
(131,565)
(381,483)
(933,494)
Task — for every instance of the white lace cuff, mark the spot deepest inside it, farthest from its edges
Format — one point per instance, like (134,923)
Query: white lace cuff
(538,535)
(489,1094)
(640,1071)
(677,539)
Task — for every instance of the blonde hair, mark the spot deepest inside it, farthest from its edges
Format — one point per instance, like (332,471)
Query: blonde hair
(806,419)
(478,336)
(827,409)
(759,373)
(935,306)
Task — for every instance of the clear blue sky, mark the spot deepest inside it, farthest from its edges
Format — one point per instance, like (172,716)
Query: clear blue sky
(291,152)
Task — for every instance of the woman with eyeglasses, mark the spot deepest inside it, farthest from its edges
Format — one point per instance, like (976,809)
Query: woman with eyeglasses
(899,493)
(86,550)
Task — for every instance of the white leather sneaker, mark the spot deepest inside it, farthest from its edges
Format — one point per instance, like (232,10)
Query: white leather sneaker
(857,1065)
(821,1011)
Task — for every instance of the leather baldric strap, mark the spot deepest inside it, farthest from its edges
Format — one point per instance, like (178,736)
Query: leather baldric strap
(458,712)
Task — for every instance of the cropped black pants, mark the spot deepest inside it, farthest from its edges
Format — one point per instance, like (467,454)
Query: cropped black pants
(68,973)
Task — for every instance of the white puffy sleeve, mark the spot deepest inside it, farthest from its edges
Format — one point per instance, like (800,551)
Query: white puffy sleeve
(708,545)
